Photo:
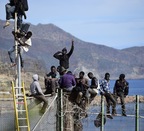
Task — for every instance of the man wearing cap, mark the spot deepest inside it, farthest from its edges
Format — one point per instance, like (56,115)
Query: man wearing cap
(63,56)
(121,89)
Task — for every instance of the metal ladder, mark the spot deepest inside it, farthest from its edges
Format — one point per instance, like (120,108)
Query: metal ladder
(20,107)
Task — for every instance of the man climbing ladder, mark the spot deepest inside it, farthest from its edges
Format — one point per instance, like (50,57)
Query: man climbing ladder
(22,42)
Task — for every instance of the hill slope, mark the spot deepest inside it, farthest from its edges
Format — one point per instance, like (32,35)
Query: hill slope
(48,39)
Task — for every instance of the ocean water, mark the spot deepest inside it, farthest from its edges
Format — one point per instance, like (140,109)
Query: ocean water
(119,123)
(136,87)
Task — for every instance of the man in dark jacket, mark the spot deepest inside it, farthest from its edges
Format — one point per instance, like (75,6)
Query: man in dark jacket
(121,89)
(19,6)
(63,56)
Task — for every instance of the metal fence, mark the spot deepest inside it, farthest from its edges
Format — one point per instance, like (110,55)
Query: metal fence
(38,122)
(133,122)
(72,115)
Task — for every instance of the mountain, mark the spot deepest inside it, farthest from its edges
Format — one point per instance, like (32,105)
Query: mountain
(48,39)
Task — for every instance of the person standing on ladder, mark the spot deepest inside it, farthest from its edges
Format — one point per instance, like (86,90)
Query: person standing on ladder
(24,42)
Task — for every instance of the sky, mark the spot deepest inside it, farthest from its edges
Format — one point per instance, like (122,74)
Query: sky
(114,23)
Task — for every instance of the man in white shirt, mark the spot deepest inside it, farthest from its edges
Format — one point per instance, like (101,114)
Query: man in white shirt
(24,42)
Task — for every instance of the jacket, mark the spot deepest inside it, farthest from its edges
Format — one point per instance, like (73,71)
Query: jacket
(64,59)
(35,87)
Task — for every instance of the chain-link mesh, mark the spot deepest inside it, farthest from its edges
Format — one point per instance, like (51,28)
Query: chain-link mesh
(75,118)
(119,122)
(38,121)
(46,121)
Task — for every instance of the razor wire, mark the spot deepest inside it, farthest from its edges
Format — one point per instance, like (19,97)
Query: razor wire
(76,113)
(86,123)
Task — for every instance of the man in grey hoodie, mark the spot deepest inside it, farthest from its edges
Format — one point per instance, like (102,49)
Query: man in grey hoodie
(36,91)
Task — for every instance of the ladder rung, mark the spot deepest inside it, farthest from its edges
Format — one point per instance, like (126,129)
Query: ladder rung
(18,87)
(23,126)
(22,118)
(19,102)
(19,95)
(20,98)
(21,110)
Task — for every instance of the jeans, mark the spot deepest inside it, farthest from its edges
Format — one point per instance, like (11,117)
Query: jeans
(42,98)
(10,10)
(110,99)
(11,54)
(10,14)
(121,95)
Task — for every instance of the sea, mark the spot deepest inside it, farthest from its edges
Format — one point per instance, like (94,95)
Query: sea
(120,123)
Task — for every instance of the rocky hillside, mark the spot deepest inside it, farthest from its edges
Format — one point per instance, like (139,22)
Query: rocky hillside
(48,39)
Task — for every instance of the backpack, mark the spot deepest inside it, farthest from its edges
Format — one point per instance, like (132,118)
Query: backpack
(25,4)
(21,6)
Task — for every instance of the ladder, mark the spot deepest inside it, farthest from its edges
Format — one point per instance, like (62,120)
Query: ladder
(20,107)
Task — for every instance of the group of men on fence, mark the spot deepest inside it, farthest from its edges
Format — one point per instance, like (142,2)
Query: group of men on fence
(80,87)
(61,77)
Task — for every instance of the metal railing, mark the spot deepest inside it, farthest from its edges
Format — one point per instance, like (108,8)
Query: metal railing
(48,121)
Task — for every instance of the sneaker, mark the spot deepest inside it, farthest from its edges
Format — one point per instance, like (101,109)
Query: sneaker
(109,116)
(114,114)
(6,24)
(13,64)
(53,93)
(124,114)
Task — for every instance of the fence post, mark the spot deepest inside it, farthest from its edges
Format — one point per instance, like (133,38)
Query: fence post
(137,114)
(102,111)
(60,110)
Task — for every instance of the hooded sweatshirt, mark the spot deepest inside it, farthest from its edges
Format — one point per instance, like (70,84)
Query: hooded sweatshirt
(35,86)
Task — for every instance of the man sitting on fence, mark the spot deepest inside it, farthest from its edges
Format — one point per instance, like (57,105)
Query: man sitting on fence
(51,81)
(67,81)
(36,92)
(121,90)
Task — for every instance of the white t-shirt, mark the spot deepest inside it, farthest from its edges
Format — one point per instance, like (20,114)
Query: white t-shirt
(27,42)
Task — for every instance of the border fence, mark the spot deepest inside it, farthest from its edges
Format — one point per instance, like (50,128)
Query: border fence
(62,115)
